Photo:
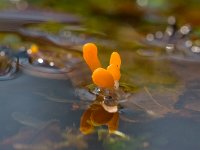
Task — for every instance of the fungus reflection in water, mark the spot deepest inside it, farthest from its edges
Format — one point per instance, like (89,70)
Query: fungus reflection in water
(107,80)
(95,116)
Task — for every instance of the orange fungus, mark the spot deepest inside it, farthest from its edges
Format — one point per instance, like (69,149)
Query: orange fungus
(103,78)
(90,56)
(34,48)
(114,70)
(115,59)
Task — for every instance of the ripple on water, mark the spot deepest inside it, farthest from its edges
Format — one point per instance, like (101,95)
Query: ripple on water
(42,70)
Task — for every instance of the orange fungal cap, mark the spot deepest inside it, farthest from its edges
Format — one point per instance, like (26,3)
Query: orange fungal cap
(115,59)
(114,70)
(34,49)
(103,78)
(90,56)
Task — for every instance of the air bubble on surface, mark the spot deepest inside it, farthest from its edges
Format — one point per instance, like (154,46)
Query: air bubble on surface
(150,37)
(195,49)
(171,20)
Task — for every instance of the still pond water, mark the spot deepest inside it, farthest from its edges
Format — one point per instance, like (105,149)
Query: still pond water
(43,96)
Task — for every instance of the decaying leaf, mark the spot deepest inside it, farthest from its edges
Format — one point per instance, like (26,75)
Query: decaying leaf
(157,102)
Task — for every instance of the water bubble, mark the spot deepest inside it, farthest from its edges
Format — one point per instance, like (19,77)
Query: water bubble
(188,43)
(195,49)
(159,34)
(169,31)
(29,51)
(171,20)
(40,60)
(174,39)
(142,3)
(2,53)
(51,64)
(170,48)
(96,91)
(150,37)
(185,29)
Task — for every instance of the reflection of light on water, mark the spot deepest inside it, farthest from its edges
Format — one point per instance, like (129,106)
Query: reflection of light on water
(40,60)
(159,34)
(51,64)
(20,4)
(195,49)
(150,37)
(147,52)
(29,51)
(175,39)
(170,47)
(171,20)
(2,53)
(169,31)
(142,3)
(185,29)
(188,43)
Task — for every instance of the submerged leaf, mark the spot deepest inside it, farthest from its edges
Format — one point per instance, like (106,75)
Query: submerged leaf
(157,102)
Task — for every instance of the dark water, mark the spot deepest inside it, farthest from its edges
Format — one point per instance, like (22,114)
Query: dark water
(44,96)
